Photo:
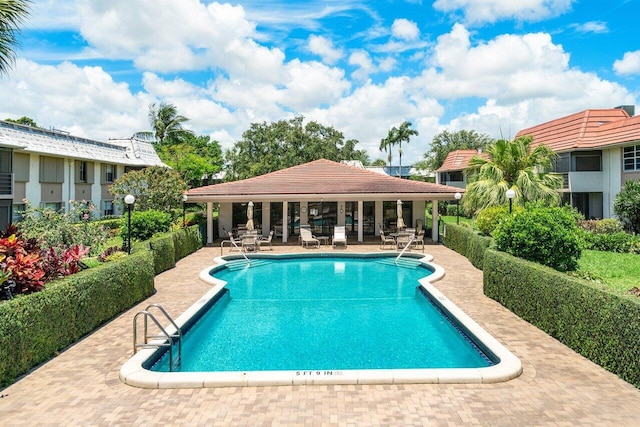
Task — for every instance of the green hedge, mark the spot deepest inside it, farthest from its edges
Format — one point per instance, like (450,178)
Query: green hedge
(597,323)
(467,243)
(34,327)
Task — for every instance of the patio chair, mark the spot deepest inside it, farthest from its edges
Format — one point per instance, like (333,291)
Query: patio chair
(339,236)
(419,240)
(386,240)
(231,240)
(249,242)
(265,242)
(403,240)
(307,237)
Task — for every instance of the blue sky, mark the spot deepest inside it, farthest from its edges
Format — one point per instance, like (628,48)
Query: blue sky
(495,66)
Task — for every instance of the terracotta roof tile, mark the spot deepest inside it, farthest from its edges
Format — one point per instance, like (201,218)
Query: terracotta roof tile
(320,177)
(459,160)
(585,130)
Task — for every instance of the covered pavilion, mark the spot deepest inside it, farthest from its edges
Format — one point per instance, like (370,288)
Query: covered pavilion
(322,193)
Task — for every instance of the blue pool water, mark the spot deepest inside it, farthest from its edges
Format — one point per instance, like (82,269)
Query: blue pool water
(324,314)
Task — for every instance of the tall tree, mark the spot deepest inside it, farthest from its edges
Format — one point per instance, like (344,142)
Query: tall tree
(197,159)
(396,136)
(512,165)
(167,123)
(270,147)
(446,142)
(24,120)
(12,14)
(154,187)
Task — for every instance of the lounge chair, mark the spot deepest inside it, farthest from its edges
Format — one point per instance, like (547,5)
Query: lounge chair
(339,236)
(307,237)
(386,240)
(305,226)
(265,242)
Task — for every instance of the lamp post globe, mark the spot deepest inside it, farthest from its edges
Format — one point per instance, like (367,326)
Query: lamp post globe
(510,195)
(458,196)
(184,210)
(129,200)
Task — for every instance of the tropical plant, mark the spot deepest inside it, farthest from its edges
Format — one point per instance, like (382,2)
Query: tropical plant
(167,123)
(61,263)
(12,14)
(512,165)
(20,262)
(446,142)
(396,136)
(155,188)
(627,205)
(548,236)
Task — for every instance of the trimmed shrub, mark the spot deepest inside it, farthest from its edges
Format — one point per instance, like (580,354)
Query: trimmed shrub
(163,253)
(467,243)
(186,241)
(489,218)
(549,236)
(145,224)
(608,226)
(614,242)
(34,327)
(597,323)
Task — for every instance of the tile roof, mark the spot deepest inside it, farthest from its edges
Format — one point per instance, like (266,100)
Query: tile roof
(458,160)
(585,130)
(123,151)
(321,178)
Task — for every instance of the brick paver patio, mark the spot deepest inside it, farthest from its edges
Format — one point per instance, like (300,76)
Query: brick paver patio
(558,387)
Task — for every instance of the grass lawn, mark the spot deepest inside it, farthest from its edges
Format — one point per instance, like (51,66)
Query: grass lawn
(619,271)
(452,220)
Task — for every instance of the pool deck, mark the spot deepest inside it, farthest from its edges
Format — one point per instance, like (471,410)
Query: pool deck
(557,387)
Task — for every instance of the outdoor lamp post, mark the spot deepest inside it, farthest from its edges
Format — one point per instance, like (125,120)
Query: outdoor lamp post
(184,210)
(458,196)
(510,195)
(129,200)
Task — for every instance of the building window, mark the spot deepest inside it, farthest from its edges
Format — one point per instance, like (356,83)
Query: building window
(18,210)
(54,206)
(631,158)
(107,207)
(82,172)
(587,161)
(110,173)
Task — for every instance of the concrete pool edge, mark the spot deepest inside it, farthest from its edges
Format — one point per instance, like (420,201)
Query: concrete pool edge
(509,366)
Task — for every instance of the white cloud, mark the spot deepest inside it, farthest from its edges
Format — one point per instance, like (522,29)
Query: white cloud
(488,11)
(362,60)
(312,84)
(405,30)
(324,48)
(596,27)
(83,99)
(629,64)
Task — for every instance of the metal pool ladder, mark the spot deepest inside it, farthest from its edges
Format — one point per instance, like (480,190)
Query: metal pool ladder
(404,249)
(169,338)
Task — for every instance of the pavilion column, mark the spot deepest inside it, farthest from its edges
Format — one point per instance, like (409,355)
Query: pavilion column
(209,223)
(434,221)
(360,221)
(285,226)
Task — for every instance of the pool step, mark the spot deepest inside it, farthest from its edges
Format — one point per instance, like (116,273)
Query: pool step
(242,263)
(402,262)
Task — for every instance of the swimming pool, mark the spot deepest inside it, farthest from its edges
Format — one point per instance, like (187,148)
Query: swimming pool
(377,330)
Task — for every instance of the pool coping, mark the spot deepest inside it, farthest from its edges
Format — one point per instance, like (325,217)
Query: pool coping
(509,366)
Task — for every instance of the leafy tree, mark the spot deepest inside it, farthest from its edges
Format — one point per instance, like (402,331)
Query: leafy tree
(446,142)
(270,147)
(167,123)
(12,14)
(548,236)
(196,159)
(627,205)
(378,162)
(24,120)
(397,136)
(155,188)
(512,165)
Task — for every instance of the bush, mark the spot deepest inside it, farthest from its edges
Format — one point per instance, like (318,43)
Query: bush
(467,243)
(608,226)
(489,218)
(614,242)
(595,322)
(145,224)
(627,205)
(549,236)
(163,253)
(186,241)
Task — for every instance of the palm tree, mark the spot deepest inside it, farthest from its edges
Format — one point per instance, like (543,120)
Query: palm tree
(167,123)
(512,165)
(397,136)
(12,14)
